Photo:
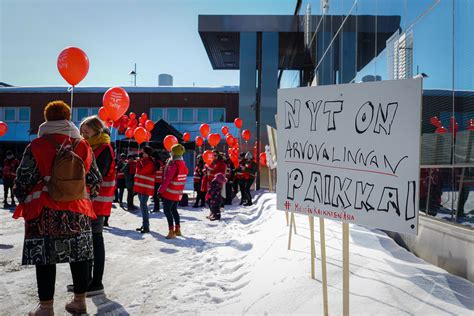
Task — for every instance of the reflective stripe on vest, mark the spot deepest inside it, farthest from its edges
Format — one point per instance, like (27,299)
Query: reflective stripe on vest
(144,184)
(144,177)
(174,190)
(103,202)
(104,199)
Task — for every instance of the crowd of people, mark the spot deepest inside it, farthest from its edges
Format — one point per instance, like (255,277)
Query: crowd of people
(68,180)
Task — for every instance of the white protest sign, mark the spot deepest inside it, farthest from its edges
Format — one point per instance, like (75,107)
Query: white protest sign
(351,153)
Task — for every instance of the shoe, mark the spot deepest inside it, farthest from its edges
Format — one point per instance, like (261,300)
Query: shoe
(145,230)
(44,308)
(95,290)
(215,218)
(77,304)
(171,234)
(242,202)
(177,230)
(70,288)
(106,224)
(139,229)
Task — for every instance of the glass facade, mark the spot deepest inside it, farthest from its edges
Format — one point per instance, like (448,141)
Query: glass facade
(356,41)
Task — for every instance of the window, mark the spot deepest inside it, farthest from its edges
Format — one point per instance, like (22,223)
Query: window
(202,115)
(187,115)
(81,113)
(24,114)
(156,114)
(172,115)
(10,114)
(218,115)
(94,111)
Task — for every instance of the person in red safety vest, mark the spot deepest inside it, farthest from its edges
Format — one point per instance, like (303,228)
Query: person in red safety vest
(129,171)
(218,165)
(171,190)
(120,188)
(198,177)
(159,168)
(145,185)
(52,223)
(10,164)
(98,136)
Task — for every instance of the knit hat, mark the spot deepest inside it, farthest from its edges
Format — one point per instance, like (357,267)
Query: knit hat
(220,178)
(248,155)
(177,150)
(56,111)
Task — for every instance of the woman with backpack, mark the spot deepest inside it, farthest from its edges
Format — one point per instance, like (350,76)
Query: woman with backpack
(57,210)
(97,135)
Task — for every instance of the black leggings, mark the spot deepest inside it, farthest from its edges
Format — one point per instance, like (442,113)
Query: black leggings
(8,186)
(46,279)
(201,196)
(171,211)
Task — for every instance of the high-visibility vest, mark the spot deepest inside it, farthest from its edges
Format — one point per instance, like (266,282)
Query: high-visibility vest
(159,171)
(197,174)
(120,173)
(9,168)
(103,202)
(44,154)
(145,177)
(174,191)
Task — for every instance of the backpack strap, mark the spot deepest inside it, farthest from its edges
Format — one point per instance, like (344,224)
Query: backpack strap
(57,145)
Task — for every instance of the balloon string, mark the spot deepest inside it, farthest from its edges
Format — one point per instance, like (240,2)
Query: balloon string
(71,90)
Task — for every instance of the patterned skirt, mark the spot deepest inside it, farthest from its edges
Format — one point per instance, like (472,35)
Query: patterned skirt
(57,237)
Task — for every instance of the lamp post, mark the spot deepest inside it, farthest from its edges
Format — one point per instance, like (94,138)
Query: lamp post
(134,74)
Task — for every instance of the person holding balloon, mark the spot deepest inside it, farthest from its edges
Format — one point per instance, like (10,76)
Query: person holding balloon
(145,185)
(171,190)
(98,136)
(61,215)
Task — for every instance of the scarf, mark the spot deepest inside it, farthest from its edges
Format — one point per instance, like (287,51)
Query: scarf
(99,139)
(63,127)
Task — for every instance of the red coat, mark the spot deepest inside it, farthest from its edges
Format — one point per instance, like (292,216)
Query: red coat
(9,168)
(145,177)
(160,166)
(103,202)
(44,153)
(174,180)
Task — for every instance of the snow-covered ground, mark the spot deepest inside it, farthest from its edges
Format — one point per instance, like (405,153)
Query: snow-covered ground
(240,265)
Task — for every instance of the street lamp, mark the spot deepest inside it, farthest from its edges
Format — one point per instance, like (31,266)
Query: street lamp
(134,74)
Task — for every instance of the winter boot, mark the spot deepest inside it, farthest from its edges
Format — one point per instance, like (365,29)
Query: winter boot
(171,234)
(44,308)
(77,305)
(177,230)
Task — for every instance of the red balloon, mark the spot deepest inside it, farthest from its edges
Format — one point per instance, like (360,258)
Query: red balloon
(3,128)
(225,130)
(132,116)
(238,122)
(169,141)
(187,137)
(145,116)
(149,125)
(199,141)
(103,115)
(73,65)
(441,130)
(263,159)
(230,140)
(204,129)
(140,135)
(121,129)
(208,157)
(141,125)
(116,101)
(129,132)
(142,119)
(214,139)
(246,135)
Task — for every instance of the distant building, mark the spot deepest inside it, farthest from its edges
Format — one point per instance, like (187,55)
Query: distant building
(165,80)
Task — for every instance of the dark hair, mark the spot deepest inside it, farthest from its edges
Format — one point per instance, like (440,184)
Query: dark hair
(148,150)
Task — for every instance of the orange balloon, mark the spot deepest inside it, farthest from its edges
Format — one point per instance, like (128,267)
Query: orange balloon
(229,140)
(149,125)
(140,135)
(238,122)
(225,130)
(73,65)
(208,157)
(186,137)
(169,141)
(246,135)
(129,132)
(199,141)
(103,115)
(132,116)
(116,102)
(204,129)
(214,139)
(3,128)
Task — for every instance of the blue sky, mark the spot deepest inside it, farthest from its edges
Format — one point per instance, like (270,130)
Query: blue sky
(161,36)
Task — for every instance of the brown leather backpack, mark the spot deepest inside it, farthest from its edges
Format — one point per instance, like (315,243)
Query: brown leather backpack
(68,174)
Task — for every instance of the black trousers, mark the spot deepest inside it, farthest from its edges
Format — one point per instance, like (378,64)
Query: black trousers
(248,185)
(8,186)
(96,267)
(130,195)
(156,198)
(243,191)
(171,212)
(46,279)
(201,196)
(229,194)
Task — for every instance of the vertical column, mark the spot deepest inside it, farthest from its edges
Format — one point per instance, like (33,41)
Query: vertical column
(248,85)
(347,56)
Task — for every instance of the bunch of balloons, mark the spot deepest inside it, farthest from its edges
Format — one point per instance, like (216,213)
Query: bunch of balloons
(139,129)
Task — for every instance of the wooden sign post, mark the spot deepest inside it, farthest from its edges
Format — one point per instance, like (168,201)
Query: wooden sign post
(345,269)
(322,237)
